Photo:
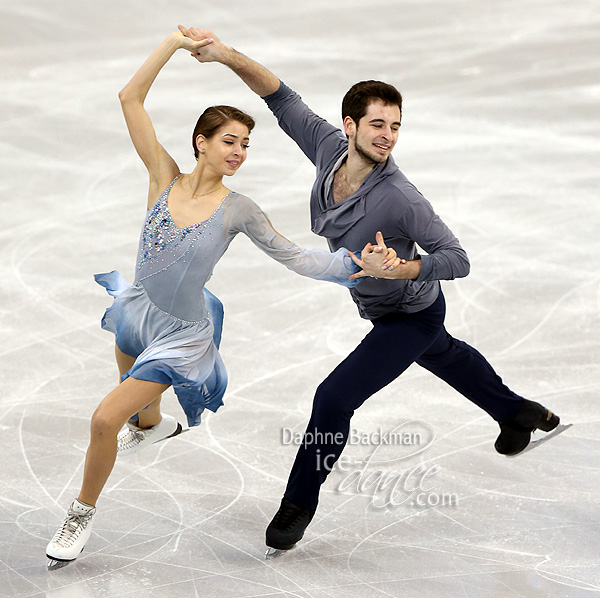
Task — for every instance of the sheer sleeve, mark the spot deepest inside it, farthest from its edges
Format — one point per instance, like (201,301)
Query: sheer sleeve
(320,264)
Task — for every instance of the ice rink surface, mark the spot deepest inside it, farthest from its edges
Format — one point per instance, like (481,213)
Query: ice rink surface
(501,132)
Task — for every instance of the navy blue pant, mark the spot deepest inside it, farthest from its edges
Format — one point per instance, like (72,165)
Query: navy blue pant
(396,341)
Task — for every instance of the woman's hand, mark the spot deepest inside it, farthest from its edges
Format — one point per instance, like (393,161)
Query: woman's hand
(376,260)
(193,44)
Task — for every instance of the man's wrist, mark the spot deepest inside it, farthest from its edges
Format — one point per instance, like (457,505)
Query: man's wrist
(231,58)
(408,271)
(415,269)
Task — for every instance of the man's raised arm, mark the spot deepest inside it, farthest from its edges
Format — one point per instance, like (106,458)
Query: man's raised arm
(314,135)
(259,79)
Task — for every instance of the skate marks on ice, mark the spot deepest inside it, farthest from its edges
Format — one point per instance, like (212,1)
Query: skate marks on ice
(536,107)
(539,441)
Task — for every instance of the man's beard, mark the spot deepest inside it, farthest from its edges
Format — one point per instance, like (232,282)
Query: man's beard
(365,156)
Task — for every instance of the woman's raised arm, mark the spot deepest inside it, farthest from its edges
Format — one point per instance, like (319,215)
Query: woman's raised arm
(161,167)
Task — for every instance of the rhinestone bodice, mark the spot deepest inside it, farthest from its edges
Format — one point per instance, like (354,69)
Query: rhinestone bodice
(173,264)
(160,235)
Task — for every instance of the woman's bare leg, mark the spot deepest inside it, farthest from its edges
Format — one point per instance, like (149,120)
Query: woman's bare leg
(150,416)
(130,397)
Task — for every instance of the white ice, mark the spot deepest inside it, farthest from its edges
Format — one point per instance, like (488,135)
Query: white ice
(501,131)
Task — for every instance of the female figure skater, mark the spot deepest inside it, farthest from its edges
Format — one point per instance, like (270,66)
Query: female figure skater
(167,326)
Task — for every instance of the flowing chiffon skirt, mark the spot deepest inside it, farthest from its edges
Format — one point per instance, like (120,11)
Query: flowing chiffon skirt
(167,349)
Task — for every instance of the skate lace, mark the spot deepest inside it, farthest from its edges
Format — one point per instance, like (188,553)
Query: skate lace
(288,515)
(130,439)
(72,527)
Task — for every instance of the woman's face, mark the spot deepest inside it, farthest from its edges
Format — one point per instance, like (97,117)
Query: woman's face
(226,150)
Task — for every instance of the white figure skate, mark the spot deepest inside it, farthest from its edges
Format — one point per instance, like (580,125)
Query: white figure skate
(132,439)
(71,537)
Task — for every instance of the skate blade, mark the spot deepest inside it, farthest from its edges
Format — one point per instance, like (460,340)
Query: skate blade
(535,443)
(274,553)
(180,430)
(54,565)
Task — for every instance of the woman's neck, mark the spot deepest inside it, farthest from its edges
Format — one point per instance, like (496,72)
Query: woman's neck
(200,182)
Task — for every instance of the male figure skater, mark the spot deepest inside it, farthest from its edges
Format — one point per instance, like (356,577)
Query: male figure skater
(359,189)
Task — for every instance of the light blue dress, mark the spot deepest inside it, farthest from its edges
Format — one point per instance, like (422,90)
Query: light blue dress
(169,322)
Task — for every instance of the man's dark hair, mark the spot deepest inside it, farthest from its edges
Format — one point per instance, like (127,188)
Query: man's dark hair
(359,96)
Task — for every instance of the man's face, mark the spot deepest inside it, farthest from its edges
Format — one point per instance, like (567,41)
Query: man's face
(377,132)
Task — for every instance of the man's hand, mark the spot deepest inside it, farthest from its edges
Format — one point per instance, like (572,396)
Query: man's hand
(217,51)
(378,260)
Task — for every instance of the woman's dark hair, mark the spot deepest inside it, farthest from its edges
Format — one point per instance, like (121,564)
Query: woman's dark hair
(359,96)
(213,118)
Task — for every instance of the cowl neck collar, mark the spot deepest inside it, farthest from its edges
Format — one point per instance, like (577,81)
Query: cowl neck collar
(332,220)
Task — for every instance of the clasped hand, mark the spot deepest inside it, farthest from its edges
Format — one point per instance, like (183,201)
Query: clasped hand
(376,260)
(203,44)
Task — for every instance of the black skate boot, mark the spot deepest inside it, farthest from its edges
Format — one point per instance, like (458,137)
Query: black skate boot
(515,433)
(288,525)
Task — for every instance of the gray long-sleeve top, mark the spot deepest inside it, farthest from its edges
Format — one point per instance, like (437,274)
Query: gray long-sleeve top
(386,201)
